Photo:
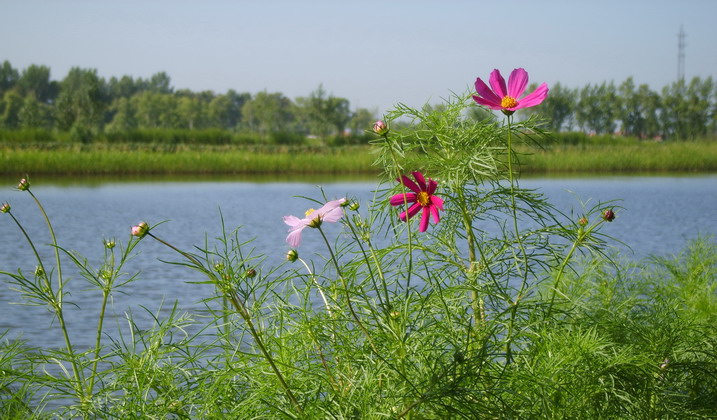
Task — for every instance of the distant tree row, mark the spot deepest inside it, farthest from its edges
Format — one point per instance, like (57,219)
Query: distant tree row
(680,111)
(84,104)
(87,104)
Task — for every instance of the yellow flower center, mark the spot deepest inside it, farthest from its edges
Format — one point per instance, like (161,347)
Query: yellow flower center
(308,212)
(423,198)
(508,102)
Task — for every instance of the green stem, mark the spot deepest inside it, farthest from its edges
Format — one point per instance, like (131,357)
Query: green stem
(519,264)
(58,300)
(581,236)
(346,290)
(244,313)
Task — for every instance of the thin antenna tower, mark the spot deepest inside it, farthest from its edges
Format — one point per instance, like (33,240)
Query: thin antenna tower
(681,55)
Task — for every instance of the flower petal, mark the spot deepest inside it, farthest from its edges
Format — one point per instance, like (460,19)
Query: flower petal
(398,199)
(431,187)
(411,212)
(294,238)
(517,82)
(436,216)
(490,98)
(409,183)
(420,179)
(292,221)
(498,84)
(534,98)
(437,202)
(424,220)
(333,215)
(487,103)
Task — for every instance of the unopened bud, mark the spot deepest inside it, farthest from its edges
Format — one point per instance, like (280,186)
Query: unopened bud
(292,255)
(140,230)
(380,127)
(23,185)
(583,221)
(251,273)
(354,205)
(5,208)
(39,272)
(608,215)
(110,243)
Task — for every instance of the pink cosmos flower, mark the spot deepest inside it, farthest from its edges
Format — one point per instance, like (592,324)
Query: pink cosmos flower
(508,100)
(422,197)
(329,212)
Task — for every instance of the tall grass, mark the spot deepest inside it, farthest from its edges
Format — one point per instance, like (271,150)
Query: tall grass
(503,308)
(82,160)
(635,157)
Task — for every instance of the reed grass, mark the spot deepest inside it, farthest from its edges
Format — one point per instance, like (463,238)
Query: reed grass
(640,157)
(137,159)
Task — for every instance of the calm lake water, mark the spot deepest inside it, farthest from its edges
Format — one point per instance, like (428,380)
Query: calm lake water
(661,214)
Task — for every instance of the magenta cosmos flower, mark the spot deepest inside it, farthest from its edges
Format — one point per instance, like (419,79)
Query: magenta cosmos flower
(422,197)
(508,100)
(329,212)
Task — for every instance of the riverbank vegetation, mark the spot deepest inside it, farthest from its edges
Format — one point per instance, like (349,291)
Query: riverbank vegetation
(567,153)
(494,304)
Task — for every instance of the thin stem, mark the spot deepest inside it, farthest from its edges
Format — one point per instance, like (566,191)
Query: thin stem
(581,236)
(346,289)
(244,313)
(318,286)
(58,299)
(376,261)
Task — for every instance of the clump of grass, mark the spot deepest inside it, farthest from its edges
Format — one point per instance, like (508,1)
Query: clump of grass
(506,308)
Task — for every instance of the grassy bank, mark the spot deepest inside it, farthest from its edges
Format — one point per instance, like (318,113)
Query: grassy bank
(126,159)
(632,157)
(137,159)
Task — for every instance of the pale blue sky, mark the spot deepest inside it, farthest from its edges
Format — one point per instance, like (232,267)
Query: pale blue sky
(374,53)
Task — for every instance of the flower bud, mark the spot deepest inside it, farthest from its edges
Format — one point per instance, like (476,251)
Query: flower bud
(251,273)
(110,243)
(608,215)
(380,128)
(292,255)
(354,205)
(39,272)
(23,185)
(140,230)
(5,208)
(583,221)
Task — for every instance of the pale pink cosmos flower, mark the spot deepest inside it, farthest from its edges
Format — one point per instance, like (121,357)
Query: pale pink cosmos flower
(422,197)
(329,212)
(508,100)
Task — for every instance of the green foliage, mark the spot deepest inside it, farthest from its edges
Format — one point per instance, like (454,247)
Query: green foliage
(506,308)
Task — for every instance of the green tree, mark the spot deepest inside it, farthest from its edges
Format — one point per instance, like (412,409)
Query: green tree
(558,108)
(324,114)
(192,112)
(224,111)
(124,116)
(156,110)
(8,77)
(34,113)
(362,120)
(35,80)
(267,113)
(10,107)
(80,102)
(160,83)
(597,108)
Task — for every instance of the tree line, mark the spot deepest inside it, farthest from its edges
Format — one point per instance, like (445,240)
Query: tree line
(682,110)
(85,104)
